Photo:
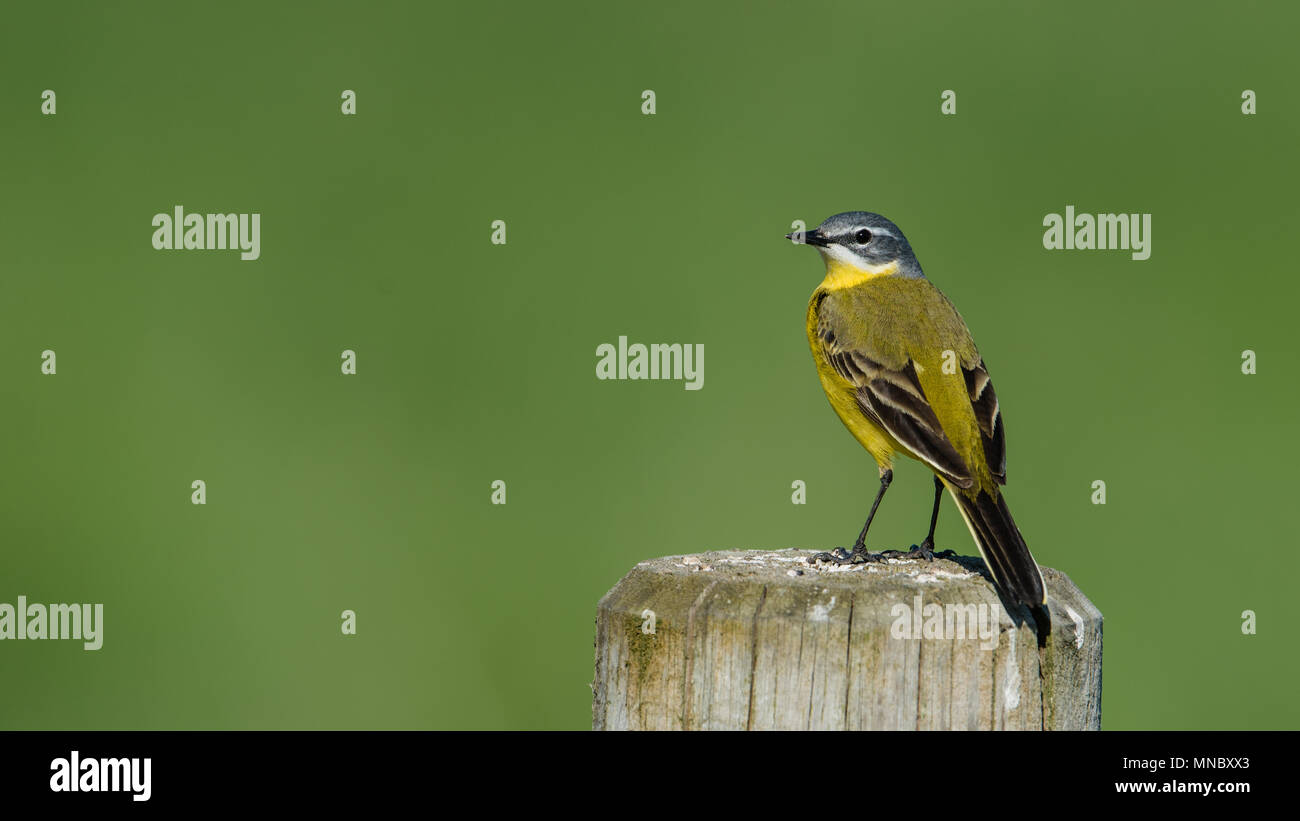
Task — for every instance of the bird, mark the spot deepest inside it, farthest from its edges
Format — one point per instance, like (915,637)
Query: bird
(902,372)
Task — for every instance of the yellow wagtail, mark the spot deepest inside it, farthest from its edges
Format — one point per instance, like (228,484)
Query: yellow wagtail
(903,373)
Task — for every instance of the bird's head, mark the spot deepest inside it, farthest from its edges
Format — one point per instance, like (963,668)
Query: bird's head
(863,241)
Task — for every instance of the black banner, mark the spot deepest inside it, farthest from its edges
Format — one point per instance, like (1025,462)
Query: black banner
(202,770)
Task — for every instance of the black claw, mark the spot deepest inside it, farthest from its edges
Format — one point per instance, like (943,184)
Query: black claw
(923,551)
(861,555)
(839,555)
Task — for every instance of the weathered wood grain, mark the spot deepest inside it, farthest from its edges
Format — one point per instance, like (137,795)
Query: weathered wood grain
(760,640)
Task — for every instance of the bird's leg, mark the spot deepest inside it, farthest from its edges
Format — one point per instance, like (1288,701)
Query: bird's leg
(860,546)
(860,553)
(925,550)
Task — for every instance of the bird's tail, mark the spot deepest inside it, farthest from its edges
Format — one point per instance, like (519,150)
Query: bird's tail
(1003,548)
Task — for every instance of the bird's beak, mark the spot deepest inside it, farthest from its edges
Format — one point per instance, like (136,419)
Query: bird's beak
(810,237)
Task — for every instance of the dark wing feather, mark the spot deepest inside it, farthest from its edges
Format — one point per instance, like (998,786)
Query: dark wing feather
(989,416)
(893,399)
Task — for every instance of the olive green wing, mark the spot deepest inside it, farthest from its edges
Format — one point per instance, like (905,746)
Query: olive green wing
(894,341)
(887,386)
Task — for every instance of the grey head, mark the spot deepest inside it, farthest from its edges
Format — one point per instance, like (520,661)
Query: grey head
(863,239)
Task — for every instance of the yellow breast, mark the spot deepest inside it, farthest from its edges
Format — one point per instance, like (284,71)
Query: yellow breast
(841,392)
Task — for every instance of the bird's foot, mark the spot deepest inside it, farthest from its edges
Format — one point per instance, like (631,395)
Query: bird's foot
(859,555)
(924,551)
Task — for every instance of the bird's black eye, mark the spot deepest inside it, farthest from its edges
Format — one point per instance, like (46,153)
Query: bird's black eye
(863,236)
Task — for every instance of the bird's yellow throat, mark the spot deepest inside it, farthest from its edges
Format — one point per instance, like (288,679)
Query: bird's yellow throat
(846,275)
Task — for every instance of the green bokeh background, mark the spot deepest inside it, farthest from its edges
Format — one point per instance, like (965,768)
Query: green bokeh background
(476,362)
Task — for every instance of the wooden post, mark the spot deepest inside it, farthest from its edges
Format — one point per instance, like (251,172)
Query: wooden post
(736,640)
